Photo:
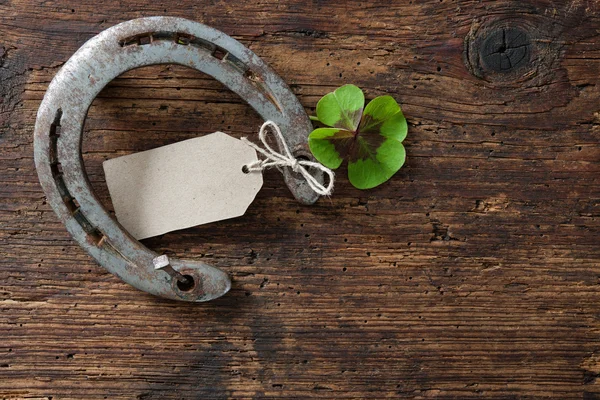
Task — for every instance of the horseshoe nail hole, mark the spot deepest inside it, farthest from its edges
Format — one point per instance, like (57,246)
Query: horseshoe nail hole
(183,39)
(97,237)
(251,75)
(75,203)
(56,169)
(219,54)
(145,40)
(130,41)
(55,130)
(55,126)
(186,285)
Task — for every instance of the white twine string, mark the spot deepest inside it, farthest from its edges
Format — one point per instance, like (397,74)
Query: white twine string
(275,159)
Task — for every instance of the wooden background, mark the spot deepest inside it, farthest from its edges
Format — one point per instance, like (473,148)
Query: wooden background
(473,273)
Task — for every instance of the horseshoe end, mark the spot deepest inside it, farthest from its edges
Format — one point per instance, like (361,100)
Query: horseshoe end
(199,282)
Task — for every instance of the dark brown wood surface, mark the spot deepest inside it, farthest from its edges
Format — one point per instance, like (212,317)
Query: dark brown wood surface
(473,273)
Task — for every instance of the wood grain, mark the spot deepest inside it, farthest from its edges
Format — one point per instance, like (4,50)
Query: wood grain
(473,273)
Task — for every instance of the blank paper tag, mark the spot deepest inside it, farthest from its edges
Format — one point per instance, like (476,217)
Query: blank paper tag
(184,184)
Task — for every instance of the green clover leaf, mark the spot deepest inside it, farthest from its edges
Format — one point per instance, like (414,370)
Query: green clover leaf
(370,138)
(342,108)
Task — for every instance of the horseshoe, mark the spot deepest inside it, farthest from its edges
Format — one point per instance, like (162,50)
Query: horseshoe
(59,130)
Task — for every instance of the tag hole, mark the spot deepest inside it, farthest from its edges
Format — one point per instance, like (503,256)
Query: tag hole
(245,169)
(187,285)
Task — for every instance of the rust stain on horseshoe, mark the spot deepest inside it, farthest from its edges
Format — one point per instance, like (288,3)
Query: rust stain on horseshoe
(59,128)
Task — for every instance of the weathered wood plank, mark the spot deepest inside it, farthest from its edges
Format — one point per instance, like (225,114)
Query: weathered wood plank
(474,273)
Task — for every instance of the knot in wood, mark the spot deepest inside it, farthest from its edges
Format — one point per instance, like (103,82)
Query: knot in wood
(505,49)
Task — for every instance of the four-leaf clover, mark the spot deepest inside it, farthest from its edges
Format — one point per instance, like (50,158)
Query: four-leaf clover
(370,137)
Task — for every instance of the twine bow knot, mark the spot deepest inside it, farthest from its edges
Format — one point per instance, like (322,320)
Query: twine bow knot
(276,159)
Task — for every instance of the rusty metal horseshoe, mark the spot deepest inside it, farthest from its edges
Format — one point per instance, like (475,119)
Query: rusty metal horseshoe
(59,131)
